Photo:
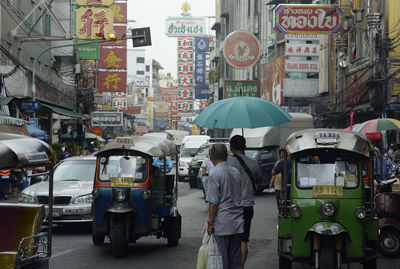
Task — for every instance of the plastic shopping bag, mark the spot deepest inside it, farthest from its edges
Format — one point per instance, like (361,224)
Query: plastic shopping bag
(214,259)
(203,252)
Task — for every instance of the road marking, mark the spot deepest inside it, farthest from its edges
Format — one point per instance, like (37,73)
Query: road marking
(62,253)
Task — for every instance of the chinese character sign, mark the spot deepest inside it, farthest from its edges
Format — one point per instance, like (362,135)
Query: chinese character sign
(185,106)
(294,49)
(93,23)
(185,81)
(200,68)
(114,58)
(185,55)
(111,81)
(185,43)
(119,103)
(185,68)
(185,93)
(120,12)
(94,2)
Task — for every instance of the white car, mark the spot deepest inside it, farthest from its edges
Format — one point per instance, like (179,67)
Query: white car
(187,153)
(73,185)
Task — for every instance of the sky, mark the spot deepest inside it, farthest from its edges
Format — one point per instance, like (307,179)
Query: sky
(152,13)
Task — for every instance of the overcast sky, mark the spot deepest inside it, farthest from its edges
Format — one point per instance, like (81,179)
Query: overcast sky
(152,13)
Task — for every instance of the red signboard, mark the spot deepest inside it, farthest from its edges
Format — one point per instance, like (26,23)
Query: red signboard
(241,49)
(120,12)
(111,81)
(272,74)
(120,31)
(114,58)
(324,19)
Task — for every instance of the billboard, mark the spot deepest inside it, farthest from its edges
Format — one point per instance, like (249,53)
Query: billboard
(241,49)
(300,87)
(302,66)
(106,119)
(108,81)
(296,49)
(234,88)
(185,26)
(93,23)
(272,74)
(112,58)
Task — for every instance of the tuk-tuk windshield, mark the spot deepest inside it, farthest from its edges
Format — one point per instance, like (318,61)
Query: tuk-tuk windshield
(123,166)
(327,171)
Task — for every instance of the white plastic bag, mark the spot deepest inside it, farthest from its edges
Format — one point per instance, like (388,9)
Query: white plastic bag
(214,259)
(203,252)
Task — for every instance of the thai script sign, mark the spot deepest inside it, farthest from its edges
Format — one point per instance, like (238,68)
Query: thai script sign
(201,92)
(300,87)
(106,118)
(111,81)
(200,68)
(241,49)
(185,26)
(302,66)
(93,23)
(185,43)
(234,88)
(112,58)
(302,49)
(94,2)
(308,19)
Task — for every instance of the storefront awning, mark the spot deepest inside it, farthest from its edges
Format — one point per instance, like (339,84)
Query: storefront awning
(66,112)
(15,129)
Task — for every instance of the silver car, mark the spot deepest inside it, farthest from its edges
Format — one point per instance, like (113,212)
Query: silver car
(73,184)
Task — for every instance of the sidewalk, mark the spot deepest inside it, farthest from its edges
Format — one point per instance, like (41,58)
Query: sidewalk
(12,198)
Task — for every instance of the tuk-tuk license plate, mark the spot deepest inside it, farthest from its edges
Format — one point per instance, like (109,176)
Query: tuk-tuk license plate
(123,182)
(327,191)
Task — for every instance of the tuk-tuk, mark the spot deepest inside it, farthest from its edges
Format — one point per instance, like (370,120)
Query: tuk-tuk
(131,197)
(22,244)
(327,216)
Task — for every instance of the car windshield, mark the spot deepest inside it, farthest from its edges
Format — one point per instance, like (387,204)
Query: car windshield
(188,152)
(327,171)
(123,166)
(82,170)
(251,153)
(204,151)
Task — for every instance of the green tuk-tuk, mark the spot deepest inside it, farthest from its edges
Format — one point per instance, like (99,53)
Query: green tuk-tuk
(327,216)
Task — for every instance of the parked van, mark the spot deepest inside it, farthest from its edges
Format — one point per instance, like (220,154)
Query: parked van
(263,144)
(188,151)
(176,136)
(202,138)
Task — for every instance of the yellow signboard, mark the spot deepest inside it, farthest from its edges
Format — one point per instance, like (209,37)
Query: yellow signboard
(95,2)
(94,23)
(327,191)
(122,182)
(195,130)
(150,113)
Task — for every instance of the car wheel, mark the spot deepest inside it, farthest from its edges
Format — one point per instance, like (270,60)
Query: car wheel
(98,239)
(118,243)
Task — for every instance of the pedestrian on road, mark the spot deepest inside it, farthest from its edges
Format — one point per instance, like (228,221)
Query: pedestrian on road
(250,172)
(276,180)
(278,169)
(206,169)
(225,217)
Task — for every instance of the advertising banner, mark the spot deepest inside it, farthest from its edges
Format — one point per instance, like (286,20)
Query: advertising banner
(272,74)
(150,113)
(119,103)
(111,81)
(185,43)
(201,92)
(202,44)
(185,55)
(185,68)
(120,12)
(185,106)
(161,107)
(185,93)
(185,26)
(200,68)
(93,23)
(302,66)
(112,58)
(106,119)
(302,49)
(185,81)
(89,51)
(300,87)
(241,49)
(234,88)
(294,18)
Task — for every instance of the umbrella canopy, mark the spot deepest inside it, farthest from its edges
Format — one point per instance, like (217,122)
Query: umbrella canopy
(93,136)
(20,151)
(242,112)
(377,125)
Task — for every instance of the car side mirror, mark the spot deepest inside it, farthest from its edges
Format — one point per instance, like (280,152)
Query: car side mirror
(192,154)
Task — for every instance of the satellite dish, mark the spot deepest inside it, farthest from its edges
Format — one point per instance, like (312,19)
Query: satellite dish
(343,61)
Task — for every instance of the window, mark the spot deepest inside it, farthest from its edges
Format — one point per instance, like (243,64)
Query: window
(140,60)
(46,25)
(139,72)
(147,68)
(119,166)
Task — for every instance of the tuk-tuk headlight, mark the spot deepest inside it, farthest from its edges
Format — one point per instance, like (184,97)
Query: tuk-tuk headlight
(96,193)
(120,195)
(25,198)
(146,195)
(361,212)
(327,209)
(295,211)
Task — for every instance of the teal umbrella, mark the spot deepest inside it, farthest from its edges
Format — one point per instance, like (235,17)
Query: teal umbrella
(242,112)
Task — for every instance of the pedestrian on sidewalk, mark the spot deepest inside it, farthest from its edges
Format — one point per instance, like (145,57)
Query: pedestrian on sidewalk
(276,179)
(225,217)
(5,179)
(250,173)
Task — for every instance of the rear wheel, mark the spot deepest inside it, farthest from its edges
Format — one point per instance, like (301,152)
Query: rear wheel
(285,263)
(173,231)
(97,238)
(118,243)
(193,182)
(327,258)
(389,242)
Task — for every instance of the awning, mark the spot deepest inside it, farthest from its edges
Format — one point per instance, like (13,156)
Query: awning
(14,129)
(12,121)
(66,112)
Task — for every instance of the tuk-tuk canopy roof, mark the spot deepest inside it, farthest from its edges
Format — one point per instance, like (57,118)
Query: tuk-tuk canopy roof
(18,151)
(329,139)
(148,145)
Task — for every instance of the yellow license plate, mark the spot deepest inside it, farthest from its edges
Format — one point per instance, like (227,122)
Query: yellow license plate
(327,191)
(125,182)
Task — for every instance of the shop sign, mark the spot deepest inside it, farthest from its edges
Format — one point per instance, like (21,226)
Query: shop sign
(201,92)
(185,81)
(185,43)
(114,58)
(234,88)
(93,23)
(293,49)
(295,18)
(89,51)
(185,93)
(185,69)
(120,12)
(29,105)
(185,26)
(300,87)
(106,118)
(302,36)
(241,49)
(185,106)
(297,109)
(200,68)
(302,66)
(185,55)
(120,103)
(111,81)
(141,129)
(201,44)
(94,2)
(161,107)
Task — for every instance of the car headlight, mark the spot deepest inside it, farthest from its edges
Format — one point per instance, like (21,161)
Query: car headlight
(120,195)
(327,209)
(295,211)
(146,195)
(83,199)
(25,198)
(361,212)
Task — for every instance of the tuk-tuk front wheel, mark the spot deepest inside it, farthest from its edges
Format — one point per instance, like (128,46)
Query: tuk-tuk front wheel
(118,242)
(389,242)
(284,263)
(327,257)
